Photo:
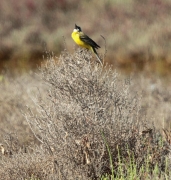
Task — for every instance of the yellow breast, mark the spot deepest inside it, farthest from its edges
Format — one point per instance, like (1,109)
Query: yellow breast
(76,38)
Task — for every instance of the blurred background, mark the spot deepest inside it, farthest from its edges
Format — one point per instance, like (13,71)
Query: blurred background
(137,33)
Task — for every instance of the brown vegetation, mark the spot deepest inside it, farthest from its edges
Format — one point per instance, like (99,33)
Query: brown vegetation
(72,111)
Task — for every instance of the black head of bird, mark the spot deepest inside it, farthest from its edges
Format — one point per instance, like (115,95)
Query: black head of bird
(78,28)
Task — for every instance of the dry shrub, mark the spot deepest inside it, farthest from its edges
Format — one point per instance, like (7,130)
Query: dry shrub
(24,162)
(77,102)
(83,101)
(37,165)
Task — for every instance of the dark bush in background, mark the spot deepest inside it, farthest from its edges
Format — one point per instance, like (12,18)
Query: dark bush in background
(137,32)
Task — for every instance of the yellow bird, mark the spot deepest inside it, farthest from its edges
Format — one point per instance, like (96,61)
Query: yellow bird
(84,41)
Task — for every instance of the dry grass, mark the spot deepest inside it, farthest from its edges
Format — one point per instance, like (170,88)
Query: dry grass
(15,95)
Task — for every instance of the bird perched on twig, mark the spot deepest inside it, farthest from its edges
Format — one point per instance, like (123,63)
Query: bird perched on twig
(84,41)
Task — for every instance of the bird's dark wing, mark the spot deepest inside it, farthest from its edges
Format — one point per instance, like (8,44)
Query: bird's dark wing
(89,41)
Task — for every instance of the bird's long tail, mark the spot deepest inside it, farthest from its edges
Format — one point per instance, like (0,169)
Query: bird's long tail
(95,52)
